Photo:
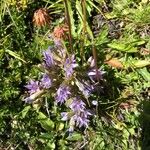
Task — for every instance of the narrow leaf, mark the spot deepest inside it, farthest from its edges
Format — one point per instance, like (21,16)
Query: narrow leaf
(73,28)
(14,55)
(122,47)
(25,111)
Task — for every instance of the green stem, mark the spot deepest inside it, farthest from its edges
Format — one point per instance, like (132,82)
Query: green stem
(84,30)
(69,24)
(84,16)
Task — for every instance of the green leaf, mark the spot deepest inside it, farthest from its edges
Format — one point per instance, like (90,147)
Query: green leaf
(89,7)
(126,134)
(46,136)
(132,131)
(50,146)
(92,4)
(73,28)
(136,63)
(122,47)
(102,37)
(90,32)
(60,126)
(144,73)
(75,137)
(80,16)
(141,63)
(25,111)
(2,52)
(14,55)
(45,122)
(138,42)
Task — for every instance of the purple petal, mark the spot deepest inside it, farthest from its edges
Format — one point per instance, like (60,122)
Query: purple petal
(71,129)
(91,62)
(33,86)
(62,94)
(80,121)
(93,73)
(28,100)
(64,116)
(58,43)
(69,65)
(85,114)
(77,105)
(46,81)
(85,88)
(48,58)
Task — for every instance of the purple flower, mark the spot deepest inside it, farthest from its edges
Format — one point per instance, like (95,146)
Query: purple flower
(82,122)
(93,74)
(85,114)
(48,58)
(87,91)
(71,129)
(33,86)
(57,43)
(81,119)
(28,100)
(85,88)
(91,62)
(46,81)
(94,102)
(77,105)
(69,65)
(62,52)
(33,96)
(64,116)
(62,94)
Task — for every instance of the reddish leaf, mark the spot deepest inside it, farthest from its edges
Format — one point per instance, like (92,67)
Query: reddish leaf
(114,62)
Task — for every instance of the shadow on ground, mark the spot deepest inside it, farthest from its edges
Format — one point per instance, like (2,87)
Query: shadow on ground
(145,125)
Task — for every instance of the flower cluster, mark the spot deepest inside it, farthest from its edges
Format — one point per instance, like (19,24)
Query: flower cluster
(67,84)
(35,87)
(80,115)
(62,94)
(41,17)
(60,31)
(48,58)
(69,65)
